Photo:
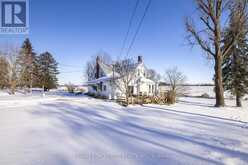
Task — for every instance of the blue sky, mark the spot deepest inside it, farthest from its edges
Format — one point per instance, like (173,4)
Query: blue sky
(75,30)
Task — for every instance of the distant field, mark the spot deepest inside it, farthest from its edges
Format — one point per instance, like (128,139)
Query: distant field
(199,90)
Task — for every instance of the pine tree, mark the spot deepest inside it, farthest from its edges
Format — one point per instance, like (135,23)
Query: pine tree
(27,64)
(235,68)
(48,71)
(36,74)
(4,72)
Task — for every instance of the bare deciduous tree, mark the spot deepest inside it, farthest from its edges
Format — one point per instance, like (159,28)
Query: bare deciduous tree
(176,80)
(123,75)
(153,75)
(210,37)
(11,52)
(4,71)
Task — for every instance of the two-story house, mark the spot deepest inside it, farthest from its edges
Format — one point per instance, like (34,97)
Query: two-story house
(103,85)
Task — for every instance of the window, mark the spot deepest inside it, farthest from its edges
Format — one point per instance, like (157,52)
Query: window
(94,88)
(104,87)
(101,74)
(100,86)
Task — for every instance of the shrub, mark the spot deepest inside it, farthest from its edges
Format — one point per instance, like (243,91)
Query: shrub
(171,97)
(70,88)
(104,97)
(82,90)
(78,93)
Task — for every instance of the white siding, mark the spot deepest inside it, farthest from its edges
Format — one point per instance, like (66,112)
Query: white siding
(140,84)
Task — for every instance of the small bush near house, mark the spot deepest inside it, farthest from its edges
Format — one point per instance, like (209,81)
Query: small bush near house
(90,94)
(104,97)
(165,98)
(78,93)
(171,97)
(97,96)
(82,90)
(70,88)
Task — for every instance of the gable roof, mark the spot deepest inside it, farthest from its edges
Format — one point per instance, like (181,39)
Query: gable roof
(107,69)
(108,72)
(98,80)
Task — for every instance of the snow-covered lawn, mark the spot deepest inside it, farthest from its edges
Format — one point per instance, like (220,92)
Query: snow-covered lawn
(64,130)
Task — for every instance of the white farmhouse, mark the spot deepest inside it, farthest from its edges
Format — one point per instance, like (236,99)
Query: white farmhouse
(102,84)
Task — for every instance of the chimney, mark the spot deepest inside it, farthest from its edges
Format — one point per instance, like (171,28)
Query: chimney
(140,60)
(97,76)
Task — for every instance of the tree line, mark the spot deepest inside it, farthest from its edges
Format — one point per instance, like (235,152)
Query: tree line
(225,44)
(23,68)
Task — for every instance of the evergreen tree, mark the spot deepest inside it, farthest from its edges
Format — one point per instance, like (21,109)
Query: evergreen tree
(235,68)
(48,71)
(27,65)
(4,72)
(36,73)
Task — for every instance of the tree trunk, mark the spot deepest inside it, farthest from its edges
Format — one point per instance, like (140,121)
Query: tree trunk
(31,83)
(236,79)
(127,99)
(238,100)
(219,90)
(13,87)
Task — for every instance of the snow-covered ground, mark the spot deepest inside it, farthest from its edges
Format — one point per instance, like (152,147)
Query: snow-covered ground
(67,130)
(200,90)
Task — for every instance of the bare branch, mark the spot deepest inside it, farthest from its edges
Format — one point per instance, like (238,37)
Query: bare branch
(198,38)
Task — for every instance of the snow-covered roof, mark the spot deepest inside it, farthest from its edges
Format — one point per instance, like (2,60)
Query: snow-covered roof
(108,71)
(146,80)
(99,80)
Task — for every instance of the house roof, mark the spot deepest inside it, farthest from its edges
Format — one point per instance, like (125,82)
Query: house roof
(146,80)
(98,80)
(108,71)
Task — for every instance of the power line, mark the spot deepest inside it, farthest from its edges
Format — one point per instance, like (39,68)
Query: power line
(71,66)
(139,26)
(75,71)
(129,26)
